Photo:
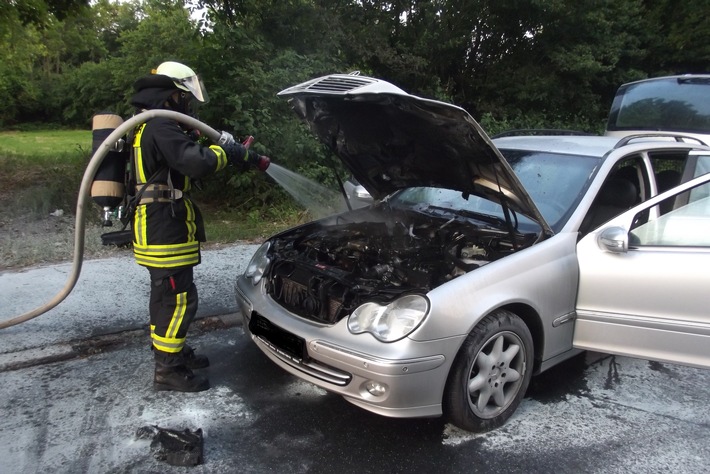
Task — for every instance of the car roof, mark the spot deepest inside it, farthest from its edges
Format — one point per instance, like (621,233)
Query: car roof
(598,145)
(584,145)
(666,78)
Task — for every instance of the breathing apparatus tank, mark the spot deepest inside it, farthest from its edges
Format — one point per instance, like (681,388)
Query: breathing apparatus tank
(108,188)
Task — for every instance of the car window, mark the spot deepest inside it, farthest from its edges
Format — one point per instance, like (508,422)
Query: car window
(626,186)
(667,168)
(683,225)
(702,166)
(555,182)
(447,200)
(633,170)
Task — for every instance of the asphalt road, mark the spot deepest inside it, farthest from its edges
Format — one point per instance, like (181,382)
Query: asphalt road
(73,400)
(598,414)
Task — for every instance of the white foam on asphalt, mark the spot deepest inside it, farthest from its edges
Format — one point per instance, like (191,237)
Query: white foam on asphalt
(652,400)
(180,413)
(301,388)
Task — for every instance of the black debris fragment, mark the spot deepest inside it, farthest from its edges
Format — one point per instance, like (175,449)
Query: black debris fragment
(177,448)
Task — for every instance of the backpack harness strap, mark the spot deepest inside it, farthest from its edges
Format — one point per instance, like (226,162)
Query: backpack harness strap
(157,193)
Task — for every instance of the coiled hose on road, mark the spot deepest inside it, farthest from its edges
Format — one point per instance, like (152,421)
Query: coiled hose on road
(84,194)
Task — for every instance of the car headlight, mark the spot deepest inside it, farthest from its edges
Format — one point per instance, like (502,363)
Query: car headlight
(391,322)
(258,263)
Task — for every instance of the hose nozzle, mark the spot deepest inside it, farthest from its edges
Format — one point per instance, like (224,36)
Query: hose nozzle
(263,163)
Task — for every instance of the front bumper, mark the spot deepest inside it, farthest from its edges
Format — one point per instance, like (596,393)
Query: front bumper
(410,375)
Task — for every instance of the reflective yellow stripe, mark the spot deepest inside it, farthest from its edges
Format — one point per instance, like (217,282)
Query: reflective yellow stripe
(190,221)
(178,314)
(140,227)
(167,249)
(221,156)
(170,262)
(140,171)
(162,255)
(168,344)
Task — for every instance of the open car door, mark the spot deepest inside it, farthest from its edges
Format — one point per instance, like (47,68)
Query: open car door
(644,288)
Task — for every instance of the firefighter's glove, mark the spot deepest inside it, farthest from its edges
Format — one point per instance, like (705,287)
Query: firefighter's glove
(259,162)
(242,158)
(263,163)
(225,138)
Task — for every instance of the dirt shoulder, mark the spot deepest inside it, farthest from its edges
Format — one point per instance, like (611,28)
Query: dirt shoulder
(27,241)
(31,240)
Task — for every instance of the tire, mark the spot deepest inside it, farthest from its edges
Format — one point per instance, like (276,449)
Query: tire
(490,374)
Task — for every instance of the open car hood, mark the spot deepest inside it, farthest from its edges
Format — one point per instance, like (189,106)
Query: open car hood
(392,140)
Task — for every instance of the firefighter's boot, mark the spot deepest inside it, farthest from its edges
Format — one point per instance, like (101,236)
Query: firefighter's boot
(190,358)
(193,360)
(171,373)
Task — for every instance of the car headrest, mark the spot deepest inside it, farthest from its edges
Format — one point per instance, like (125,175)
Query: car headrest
(666,179)
(618,192)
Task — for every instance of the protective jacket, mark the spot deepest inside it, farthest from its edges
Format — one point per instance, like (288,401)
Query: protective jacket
(167,225)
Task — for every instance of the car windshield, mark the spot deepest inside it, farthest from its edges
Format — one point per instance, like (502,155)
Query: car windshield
(555,182)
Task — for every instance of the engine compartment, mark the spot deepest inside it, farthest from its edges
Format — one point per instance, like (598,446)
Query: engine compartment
(324,270)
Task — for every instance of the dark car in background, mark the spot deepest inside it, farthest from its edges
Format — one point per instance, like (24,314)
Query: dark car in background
(356,194)
(679,104)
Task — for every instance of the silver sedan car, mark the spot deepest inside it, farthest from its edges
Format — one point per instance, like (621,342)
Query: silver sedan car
(480,263)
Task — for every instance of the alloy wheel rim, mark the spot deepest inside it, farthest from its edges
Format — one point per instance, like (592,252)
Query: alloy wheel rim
(496,375)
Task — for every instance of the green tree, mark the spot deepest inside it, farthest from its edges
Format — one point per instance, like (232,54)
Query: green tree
(43,45)
(247,57)
(38,12)
(677,41)
(21,49)
(137,37)
(523,62)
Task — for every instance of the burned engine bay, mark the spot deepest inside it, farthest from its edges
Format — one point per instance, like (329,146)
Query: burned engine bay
(324,270)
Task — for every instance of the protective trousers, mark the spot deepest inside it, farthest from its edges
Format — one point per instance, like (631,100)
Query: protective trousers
(173,305)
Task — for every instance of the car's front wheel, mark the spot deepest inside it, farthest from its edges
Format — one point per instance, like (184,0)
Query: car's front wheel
(490,374)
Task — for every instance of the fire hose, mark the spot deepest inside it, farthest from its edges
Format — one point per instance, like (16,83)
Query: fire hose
(84,192)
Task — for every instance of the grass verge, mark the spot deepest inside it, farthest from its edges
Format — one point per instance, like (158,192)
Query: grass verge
(46,145)
(40,176)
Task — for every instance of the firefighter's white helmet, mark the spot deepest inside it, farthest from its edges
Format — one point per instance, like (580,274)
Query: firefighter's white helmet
(184,78)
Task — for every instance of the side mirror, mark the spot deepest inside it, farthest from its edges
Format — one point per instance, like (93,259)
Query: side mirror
(614,239)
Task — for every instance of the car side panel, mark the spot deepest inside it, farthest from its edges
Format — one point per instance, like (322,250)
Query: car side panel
(543,277)
(644,293)
(650,303)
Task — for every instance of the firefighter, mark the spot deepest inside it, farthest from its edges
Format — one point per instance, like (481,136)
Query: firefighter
(167,225)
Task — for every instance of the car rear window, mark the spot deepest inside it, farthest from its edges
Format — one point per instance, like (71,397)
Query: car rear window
(670,104)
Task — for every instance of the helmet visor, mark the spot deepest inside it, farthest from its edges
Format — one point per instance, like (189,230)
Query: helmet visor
(194,85)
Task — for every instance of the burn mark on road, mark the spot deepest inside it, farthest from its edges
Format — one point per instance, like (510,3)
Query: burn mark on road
(559,382)
(612,375)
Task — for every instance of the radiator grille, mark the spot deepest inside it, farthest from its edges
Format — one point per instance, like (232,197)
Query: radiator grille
(339,84)
(311,296)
